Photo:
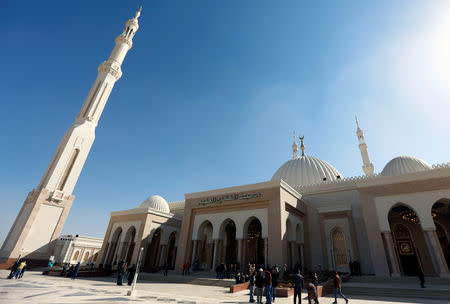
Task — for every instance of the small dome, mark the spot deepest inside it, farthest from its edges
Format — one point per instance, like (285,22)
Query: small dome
(306,170)
(404,165)
(156,202)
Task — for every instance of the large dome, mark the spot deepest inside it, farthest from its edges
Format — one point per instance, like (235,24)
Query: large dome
(306,170)
(404,165)
(156,202)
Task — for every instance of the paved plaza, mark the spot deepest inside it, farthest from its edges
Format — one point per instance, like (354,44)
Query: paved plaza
(36,288)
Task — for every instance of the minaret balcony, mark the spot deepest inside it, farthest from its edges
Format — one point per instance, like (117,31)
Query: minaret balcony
(112,68)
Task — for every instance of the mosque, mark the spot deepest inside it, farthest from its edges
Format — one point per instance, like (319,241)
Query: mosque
(307,215)
(393,223)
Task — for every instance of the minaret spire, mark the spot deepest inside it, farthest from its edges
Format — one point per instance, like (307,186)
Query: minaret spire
(50,201)
(295,148)
(367,165)
(302,146)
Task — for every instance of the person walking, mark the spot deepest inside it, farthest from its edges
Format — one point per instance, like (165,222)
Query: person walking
(131,272)
(275,276)
(259,283)
(64,270)
(338,288)
(22,271)
(421,278)
(312,294)
(268,286)
(70,271)
(298,286)
(252,280)
(19,270)
(121,269)
(75,271)
(166,269)
(13,269)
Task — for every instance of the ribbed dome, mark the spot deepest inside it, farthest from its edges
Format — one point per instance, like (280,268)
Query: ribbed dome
(156,202)
(306,170)
(404,165)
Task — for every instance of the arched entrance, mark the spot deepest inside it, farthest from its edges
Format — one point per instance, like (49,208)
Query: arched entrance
(110,259)
(128,245)
(441,216)
(408,238)
(229,241)
(255,242)
(204,251)
(152,251)
(171,250)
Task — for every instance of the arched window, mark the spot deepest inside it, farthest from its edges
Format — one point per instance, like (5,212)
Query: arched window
(95,257)
(86,256)
(339,248)
(76,254)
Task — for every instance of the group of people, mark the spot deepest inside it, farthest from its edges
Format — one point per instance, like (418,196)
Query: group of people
(18,270)
(263,281)
(123,270)
(355,268)
(71,271)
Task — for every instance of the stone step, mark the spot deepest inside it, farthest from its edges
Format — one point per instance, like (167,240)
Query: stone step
(399,280)
(418,293)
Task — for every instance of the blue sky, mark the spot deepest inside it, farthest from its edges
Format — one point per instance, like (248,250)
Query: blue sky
(212,90)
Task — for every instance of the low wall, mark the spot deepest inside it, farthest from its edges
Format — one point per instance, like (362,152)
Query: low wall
(239,287)
(81,273)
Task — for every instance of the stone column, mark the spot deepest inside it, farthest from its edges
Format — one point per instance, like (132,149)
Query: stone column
(244,253)
(294,261)
(437,256)
(215,248)
(239,253)
(80,257)
(162,259)
(158,255)
(302,256)
(194,252)
(395,271)
(266,251)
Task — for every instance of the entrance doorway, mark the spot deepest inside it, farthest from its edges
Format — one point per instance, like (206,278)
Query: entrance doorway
(230,242)
(404,224)
(255,243)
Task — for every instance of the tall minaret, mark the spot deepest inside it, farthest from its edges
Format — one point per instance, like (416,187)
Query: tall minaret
(44,211)
(367,165)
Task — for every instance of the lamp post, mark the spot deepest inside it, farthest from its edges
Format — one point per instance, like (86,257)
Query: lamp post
(131,292)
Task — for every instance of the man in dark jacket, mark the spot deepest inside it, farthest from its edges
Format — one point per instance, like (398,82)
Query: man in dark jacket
(298,286)
(75,271)
(121,269)
(268,285)
(275,276)
(131,273)
(14,268)
(259,283)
